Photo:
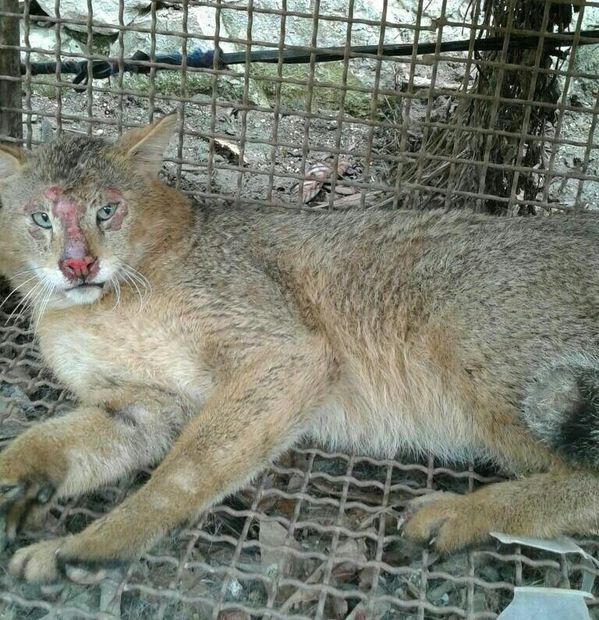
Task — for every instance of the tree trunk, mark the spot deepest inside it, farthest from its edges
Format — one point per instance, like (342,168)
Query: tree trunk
(10,91)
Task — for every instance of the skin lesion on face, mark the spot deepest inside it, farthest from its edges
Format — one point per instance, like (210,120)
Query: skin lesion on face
(69,248)
(54,192)
(115,198)
(37,233)
(74,257)
(116,221)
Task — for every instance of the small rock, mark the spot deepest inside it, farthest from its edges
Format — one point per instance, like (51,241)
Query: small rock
(439,595)
(234,588)
(103,11)
(45,39)
(489,573)
(52,589)
(167,20)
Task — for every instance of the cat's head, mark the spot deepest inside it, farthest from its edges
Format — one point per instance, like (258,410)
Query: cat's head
(77,213)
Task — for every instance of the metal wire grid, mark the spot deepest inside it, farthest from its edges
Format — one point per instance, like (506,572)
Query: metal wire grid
(330,517)
(314,537)
(308,143)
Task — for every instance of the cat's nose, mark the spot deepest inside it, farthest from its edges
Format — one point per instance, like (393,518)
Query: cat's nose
(74,268)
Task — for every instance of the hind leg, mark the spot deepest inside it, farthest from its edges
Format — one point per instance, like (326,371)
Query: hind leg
(555,498)
(560,500)
(543,505)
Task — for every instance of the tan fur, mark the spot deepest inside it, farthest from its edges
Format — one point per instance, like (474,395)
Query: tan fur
(243,331)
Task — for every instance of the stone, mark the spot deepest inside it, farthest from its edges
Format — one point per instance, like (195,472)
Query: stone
(103,11)
(266,28)
(201,27)
(169,20)
(45,39)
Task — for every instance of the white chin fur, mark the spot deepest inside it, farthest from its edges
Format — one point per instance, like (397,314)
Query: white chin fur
(84,295)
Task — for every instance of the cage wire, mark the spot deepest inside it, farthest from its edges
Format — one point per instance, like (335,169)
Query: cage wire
(510,130)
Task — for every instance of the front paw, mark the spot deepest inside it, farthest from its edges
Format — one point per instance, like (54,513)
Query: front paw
(30,474)
(446,521)
(50,560)
(37,563)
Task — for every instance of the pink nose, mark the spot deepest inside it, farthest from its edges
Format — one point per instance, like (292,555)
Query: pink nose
(74,268)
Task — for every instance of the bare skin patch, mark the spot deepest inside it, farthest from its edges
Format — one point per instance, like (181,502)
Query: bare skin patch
(75,243)
(114,195)
(53,193)
(116,221)
(36,232)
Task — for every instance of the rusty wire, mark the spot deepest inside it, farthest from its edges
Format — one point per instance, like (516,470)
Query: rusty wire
(335,515)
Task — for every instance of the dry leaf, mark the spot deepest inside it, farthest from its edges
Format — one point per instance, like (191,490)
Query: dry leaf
(337,607)
(367,576)
(319,172)
(310,189)
(274,545)
(346,190)
(315,178)
(358,613)
(230,150)
(351,556)
(342,167)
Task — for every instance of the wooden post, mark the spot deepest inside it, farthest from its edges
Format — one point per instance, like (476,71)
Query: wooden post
(10,65)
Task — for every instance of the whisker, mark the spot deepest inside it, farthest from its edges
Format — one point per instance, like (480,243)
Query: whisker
(37,307)
(130,280)
(44,305)
(138,279)
(16,289)
(33,301)
(118,292)
(141,277)
(114,282)
(31,295)
(24,271)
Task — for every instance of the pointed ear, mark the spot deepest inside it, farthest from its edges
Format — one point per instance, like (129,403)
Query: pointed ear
(146,145)
(12,160)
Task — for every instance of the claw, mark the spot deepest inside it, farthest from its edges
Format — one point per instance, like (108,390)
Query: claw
(83,576)
(5,488)
(44,495)
(15,518)
(11,493)
(18,500)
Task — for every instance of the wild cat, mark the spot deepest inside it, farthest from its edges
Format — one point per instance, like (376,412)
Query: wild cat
(460,335)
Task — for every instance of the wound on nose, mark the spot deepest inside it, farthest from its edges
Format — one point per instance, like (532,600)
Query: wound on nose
(75,245)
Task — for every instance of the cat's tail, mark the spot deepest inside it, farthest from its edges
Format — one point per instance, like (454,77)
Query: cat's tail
(561,408)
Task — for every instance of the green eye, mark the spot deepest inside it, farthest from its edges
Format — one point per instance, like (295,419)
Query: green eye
(106,212)
(42,219)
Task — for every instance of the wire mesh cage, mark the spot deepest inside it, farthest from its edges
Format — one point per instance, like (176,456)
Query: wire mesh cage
(312,104)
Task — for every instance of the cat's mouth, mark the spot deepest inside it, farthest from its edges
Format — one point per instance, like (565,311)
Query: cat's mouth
(85,285)
(84,293)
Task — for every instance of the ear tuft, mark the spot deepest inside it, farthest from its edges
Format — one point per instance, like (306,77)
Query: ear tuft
(12,159)
(146,145)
